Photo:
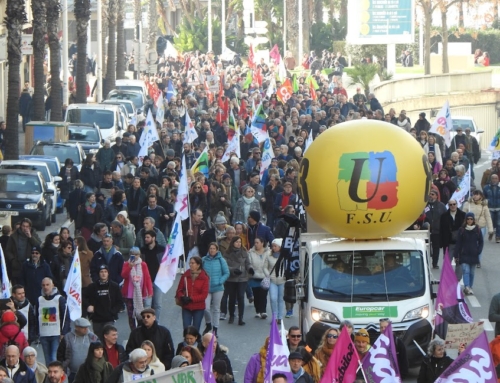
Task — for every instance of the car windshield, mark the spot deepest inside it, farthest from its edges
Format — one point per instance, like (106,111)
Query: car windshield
(59,151)
(463,124)
(20,183)
(135,97)
(85,135)
(104,118)
(40,168)
(363,276)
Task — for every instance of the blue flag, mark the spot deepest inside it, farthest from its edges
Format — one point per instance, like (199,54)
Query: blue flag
(170,90)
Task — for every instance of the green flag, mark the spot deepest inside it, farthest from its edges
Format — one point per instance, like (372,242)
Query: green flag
(295,84)
(248,80)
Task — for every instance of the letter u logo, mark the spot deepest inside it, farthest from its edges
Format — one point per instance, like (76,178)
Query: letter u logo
(356,177)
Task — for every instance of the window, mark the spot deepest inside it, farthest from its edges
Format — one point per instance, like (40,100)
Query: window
(103,118)
(20,184)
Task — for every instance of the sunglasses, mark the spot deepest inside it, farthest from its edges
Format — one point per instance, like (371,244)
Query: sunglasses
(452,204)
(330,336)
(296,336)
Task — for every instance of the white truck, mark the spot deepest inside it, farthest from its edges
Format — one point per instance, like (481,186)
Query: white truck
(363,281)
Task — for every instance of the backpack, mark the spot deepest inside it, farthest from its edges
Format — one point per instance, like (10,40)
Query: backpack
(11,342)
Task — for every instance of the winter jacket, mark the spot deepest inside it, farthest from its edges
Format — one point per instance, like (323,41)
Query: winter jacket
(134,205)
(117,376)
(124,241)
(65,185)
(75,199)
(269,264)
(277,202)
(23,374)
(161,338)
(84,219)
(237,259)
(14,260)
(40,372)
(432,368)
(450,226)
(32,276)
(197,290)
(70,343)
(147,284)
(220,354)
(494,312)
(91,177)
(111,212)
(469,245)
(258,261)
(253,368)
(122,355)
(492,194)
(481,213)
(259,230)
(105,157)
(217,270)
(433,212)
(115,265)
(86,375)
(106,298)
(239,214)
(10,331)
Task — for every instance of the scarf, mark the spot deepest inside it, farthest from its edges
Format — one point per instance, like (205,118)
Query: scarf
(247,202)
(470,227)
(90,208)
(403,123)
(137,280)
(323,355)
(97,368)
(298,374)
(195,274)
(313,368)
(263,355)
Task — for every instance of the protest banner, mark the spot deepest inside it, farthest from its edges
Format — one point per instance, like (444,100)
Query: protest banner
(462,333)
(190,374)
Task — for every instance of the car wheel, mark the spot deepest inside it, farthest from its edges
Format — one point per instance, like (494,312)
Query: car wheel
(48,221)
(53,218)
(42,224)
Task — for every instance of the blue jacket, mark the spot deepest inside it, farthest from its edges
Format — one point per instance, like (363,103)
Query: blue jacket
(33,276)
(492,194)
(218,271)
(24,374)
(278,199)
(260,230)
(469,246)
(115,266)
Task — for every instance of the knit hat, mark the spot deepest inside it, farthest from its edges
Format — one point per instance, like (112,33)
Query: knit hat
(470,215)
(362,336)
(104,267)
(220,367)
(8,316)
(220,220)
(225,176)
(178,361)
(277,241)
(255,215)
(123,213)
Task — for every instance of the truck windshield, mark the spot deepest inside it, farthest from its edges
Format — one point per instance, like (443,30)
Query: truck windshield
(104,118)
(363,276)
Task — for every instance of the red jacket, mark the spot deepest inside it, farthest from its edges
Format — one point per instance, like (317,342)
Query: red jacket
(8,332)
(147,285)
(197,290)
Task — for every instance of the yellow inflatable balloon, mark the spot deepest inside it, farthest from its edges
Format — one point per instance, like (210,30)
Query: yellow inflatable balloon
(364,179)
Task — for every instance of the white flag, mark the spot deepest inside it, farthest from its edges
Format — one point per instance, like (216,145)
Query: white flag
(282,70)
(148,137)
(271,89)
(190,133)
(6,286)
(267,156)
(463,190)
(181,203)
(309,141)
(170,51)
(168,265)
(73,288)
(160,109)
(443,124)
(233,147)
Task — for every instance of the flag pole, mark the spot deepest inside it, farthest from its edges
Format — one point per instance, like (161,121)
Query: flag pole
(65,312)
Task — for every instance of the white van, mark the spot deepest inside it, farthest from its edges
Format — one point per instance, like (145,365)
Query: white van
(109,118)
(135,85)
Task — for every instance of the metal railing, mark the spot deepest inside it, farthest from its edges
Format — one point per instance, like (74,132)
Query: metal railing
(431,85)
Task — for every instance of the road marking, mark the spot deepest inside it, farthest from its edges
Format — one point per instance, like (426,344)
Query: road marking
(473,301)
(487,326)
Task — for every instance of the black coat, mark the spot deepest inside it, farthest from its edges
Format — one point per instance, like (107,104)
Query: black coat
(65,185)
(469,245)
(432,368)
(161,338)
(76,198)
(91,177)
(450,225)
(106,299)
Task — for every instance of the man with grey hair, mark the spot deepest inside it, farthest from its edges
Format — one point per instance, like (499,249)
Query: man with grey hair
(435,362)
(149,224)
(133,369)
(451,222)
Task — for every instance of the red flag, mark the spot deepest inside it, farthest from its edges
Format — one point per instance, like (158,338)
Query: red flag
(285,91)
(223,113)
(251,58)
(242,113)
(305,63)
(314,96)
(275,54)
(257,76)
(344,361)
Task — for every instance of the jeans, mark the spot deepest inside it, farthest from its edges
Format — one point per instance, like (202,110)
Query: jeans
(277,303)
(468,271)
(212,308)
(157,299)
(249,292)
(495,218)
(237,292)
(260,299)
(49,346)
(225,297)
(435,246)
(192,318)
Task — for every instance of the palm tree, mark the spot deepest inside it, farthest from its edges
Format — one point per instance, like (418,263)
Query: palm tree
(82,16)
(362,74)
(39,30)
(152,28)
(120,42)
(15,17)
(110,83)
(53,12)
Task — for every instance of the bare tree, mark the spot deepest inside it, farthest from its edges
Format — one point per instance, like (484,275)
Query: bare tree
(82,16)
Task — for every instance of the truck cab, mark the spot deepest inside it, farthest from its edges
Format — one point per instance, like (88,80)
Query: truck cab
(364,281)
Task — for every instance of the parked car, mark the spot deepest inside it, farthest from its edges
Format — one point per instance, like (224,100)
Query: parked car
(110,118)
(87,135)
(137,97)
(41,167)
(26,192)
(135,85)
(466,122)
(129,107)
(61,150)
(54,168)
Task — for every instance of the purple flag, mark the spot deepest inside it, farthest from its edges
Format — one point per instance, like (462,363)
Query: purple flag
(208,361)
(475,364)
(450,303)
(277,356)
(381,363)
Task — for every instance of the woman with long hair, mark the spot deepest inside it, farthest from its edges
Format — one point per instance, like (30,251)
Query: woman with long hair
(86,256)
(137,286)
(192,354)
(326,347)
(258,256)
(50,246)
(445,186)
(192,292)
(95,369)
(63,261)
(197,198)
(152,360)
(219,201)
(89,214)
(66,236)
(277,286)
